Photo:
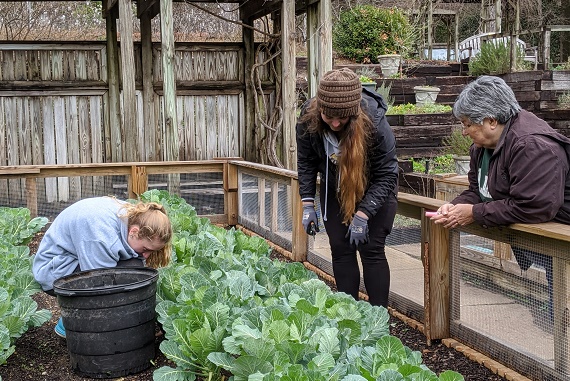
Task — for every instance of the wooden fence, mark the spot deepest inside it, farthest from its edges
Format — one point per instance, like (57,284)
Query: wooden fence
(54,108)
(54,105)
(443,310)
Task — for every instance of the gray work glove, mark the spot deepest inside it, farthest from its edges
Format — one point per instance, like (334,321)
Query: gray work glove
(310,220)
(358,230)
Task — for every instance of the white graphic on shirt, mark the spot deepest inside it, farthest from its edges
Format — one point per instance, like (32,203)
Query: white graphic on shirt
(484,188)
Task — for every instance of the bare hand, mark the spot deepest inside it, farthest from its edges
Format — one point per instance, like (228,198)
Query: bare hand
(451,216)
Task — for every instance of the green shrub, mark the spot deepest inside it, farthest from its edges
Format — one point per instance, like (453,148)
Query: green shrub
(456,143)
(367,73)
(384,90)
(364,32)
(495,58)
(564,100)
(434,165)
(412,108)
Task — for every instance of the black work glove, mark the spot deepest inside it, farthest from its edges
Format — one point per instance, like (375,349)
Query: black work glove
(358,230)
(310,219)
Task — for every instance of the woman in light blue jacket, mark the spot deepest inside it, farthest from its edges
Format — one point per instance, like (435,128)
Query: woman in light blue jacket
(102,232)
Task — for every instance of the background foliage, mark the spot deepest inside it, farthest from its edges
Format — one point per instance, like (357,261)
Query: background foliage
(364,32)
(495,58)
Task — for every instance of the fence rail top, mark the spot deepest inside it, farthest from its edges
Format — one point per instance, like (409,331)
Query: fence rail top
(553,230)
(548,229)
(265,168)
(53,170)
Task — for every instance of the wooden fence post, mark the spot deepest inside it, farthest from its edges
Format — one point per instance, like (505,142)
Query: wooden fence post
(138,181)
(299,239)
(32,196)
(231,206)
(436,280)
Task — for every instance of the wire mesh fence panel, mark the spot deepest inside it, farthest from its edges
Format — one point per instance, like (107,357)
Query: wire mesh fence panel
(404,253)
(265,206)
(319,252)
(204,191)
(509,303)
(506,288)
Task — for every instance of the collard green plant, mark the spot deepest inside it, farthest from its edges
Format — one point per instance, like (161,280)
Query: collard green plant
(18,311)
(17,227)
(364,32)
(225,305)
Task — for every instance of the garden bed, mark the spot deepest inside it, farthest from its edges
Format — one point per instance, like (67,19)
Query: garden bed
(42,356)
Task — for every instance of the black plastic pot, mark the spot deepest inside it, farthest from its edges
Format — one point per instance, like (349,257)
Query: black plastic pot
(109,318)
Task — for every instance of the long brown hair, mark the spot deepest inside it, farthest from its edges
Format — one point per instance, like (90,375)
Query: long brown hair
(153,222)
(353,168)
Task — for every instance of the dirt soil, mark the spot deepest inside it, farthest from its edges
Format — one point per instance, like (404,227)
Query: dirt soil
(41,355)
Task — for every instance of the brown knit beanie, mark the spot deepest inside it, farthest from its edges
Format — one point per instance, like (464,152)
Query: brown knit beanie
(339,93)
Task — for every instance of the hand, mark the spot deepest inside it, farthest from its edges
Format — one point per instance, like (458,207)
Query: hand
(310,220)
(452,216)
(358,230)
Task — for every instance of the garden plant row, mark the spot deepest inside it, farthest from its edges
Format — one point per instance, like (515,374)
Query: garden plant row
(18,311)
(227,308)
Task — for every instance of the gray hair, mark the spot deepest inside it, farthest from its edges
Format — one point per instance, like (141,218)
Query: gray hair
(486,97)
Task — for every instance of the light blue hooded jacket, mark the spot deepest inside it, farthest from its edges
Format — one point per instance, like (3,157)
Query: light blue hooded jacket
(89,234)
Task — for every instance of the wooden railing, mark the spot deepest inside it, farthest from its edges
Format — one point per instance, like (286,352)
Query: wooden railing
(438,245)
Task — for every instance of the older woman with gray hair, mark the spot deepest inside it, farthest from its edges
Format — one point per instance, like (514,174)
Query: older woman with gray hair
(519,168)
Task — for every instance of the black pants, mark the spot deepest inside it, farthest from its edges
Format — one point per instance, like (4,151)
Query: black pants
(133,262)
(376,272)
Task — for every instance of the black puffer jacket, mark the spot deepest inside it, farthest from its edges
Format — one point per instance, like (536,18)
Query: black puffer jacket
(382,162)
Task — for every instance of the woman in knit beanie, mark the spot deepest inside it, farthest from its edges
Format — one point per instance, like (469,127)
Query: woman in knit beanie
(343,135)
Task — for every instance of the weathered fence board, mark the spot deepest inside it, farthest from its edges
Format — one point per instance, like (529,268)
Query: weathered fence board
(201,138)
(3,147)
(223,148)
(72,123)
(12,133)
(210,127)
(188,128)
(49,145)
(54,107)
(60,144)
(84,135)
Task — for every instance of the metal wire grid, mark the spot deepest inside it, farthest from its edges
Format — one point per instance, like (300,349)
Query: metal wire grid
(204,191)
(269,214)
(497,308)
(507,311)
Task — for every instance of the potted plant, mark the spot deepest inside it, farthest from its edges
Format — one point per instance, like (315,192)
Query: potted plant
(368,82)
(458,146)
(426,94)
(390,63)
(367,78)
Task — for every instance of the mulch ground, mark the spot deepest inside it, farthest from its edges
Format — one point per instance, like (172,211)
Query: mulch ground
(41,355)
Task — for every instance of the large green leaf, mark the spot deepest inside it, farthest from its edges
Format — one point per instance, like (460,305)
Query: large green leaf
(449,375)
(166,373)
(390,375)
(247,365)
(171,350)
